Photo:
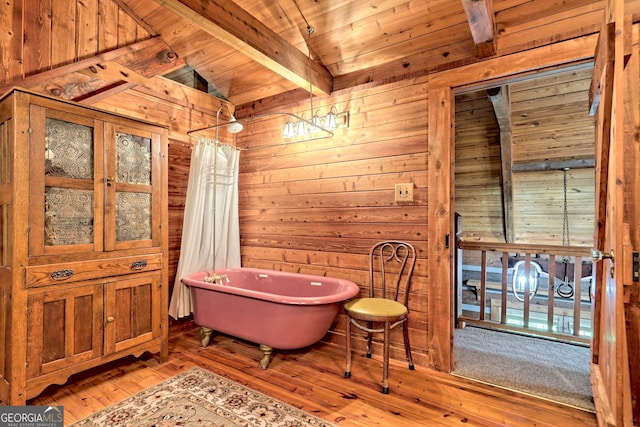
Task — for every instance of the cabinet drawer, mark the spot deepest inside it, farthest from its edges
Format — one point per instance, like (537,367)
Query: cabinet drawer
(52,274)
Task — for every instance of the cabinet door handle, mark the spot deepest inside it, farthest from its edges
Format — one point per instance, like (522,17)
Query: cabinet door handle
(62,274)
(110,181)
(110,319)
(138,265)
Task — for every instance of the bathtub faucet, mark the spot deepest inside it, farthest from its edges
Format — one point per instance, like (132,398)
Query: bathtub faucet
(216,278)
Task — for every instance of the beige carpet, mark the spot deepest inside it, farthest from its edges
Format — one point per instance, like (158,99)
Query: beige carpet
(549,369)
(199,398)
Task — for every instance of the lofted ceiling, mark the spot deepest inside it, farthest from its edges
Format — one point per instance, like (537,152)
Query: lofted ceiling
(250,50)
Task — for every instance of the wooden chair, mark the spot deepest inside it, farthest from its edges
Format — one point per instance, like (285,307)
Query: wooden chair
(390,262)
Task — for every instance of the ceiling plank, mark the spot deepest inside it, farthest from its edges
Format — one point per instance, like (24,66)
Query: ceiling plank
(241,31)
(482,25)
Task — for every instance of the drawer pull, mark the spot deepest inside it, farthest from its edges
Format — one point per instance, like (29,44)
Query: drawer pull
(110,319)
(61,274)
(138,265)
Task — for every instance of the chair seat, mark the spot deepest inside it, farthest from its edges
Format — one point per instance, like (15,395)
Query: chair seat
(375,307)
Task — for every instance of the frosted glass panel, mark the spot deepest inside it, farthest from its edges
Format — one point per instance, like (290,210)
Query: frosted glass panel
(134,159)
(68,216)
(133,216)
(68,150)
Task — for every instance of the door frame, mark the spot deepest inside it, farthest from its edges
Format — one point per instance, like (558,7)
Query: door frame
(613,89)
(440,166)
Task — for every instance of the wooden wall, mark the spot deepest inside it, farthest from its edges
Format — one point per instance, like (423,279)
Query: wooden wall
(39,36)
(478,168)
(550,127)
(317,207)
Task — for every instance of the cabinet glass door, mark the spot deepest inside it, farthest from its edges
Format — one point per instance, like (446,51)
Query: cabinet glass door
(132,187)
(66,159)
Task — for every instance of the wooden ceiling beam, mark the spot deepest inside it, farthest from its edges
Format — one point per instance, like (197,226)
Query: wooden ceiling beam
(554,165)
(238,29)
(139,65)
(499,97)
(154,44)
(482,25)
(501,101)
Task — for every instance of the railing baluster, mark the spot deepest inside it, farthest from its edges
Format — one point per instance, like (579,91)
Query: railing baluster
(577,294)
(527,289)
(504,296)
(552,291)
(483,284)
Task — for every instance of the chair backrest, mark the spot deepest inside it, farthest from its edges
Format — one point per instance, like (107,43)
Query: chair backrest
(391,265)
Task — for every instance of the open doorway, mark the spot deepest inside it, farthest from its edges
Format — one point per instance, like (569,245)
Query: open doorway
(525,196)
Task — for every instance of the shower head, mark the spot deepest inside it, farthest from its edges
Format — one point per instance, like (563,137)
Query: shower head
(234,126)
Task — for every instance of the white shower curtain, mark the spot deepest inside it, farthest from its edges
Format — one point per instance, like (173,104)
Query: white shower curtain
(212,196)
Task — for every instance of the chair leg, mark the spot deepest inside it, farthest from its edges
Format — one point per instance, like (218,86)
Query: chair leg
(385,360)
(369,335)
(407,345)
(347,338)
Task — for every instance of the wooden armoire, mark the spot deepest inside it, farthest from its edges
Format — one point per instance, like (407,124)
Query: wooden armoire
(83,241)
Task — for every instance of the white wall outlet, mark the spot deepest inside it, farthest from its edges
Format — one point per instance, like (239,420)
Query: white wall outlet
(404,192)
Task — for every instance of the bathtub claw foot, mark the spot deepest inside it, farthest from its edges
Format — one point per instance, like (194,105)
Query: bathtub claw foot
(266,358)
(206,335)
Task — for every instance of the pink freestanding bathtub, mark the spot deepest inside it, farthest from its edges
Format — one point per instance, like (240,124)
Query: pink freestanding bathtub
(272,308)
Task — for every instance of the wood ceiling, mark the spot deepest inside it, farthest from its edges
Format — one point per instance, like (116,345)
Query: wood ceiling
(252,50)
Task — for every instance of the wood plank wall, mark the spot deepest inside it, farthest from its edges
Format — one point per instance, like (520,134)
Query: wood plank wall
(478,170)
(317,207)
(58,32)
(550,124)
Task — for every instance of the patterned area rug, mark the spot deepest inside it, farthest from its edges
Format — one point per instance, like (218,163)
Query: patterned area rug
(198,398)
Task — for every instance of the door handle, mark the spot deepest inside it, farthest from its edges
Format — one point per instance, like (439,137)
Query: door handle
(597,255)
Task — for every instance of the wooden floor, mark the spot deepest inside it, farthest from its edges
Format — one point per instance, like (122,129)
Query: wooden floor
(313,380)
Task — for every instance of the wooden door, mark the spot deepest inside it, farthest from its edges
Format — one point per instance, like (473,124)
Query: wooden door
(132,312)
(64,328)
(65,201)
(133,186)
(610,367)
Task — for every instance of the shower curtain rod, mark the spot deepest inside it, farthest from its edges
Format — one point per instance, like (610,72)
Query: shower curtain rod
(329,134)
(221,144)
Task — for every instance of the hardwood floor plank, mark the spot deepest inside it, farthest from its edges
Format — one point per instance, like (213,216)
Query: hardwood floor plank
(313,380)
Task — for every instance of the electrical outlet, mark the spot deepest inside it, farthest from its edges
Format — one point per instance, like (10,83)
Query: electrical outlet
(404,192)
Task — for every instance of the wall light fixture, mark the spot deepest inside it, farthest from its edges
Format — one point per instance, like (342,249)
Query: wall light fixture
(297,126)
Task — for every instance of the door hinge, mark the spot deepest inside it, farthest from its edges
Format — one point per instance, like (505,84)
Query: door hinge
(446,241)
(636,266)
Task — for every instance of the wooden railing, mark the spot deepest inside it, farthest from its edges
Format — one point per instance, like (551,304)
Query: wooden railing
(560,307)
